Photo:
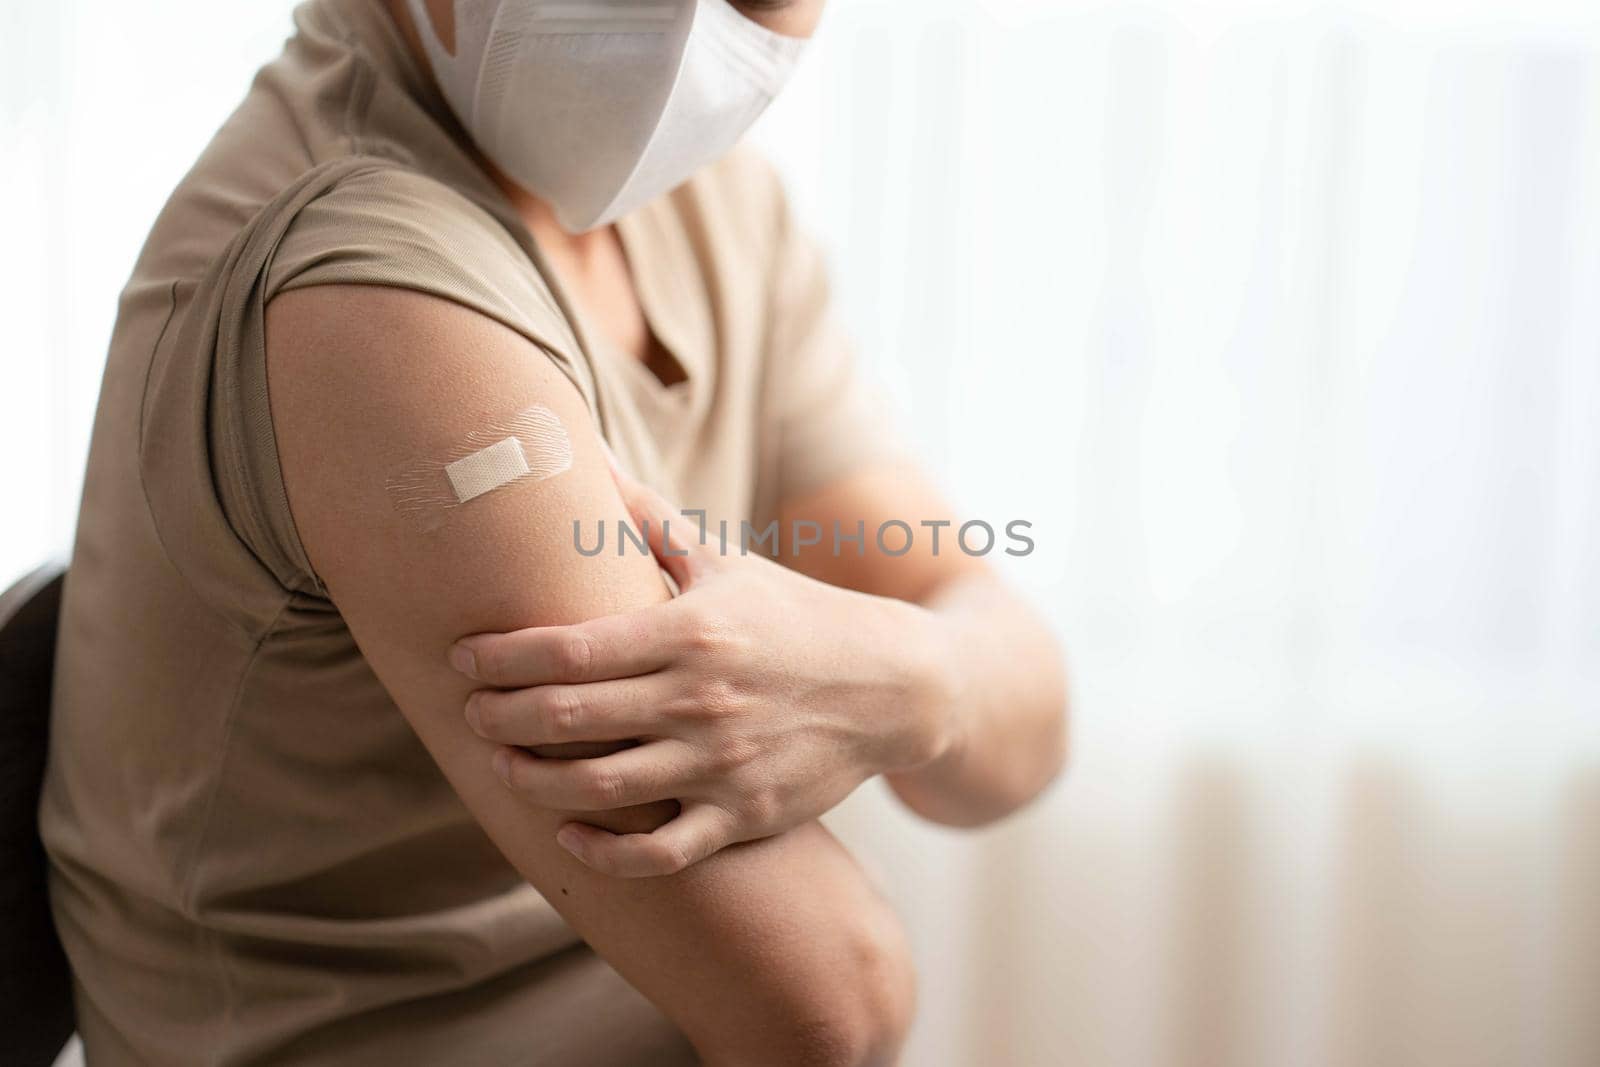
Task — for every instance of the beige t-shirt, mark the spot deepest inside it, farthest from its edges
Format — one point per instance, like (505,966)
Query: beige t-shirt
(254,858)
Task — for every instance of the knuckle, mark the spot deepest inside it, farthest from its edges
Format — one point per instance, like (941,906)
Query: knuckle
(603,788)
(718,696)
(601,861)
(764,810)
(759,805)
(704,635)
(668,857)
(732,640)
(719,757)
(575,656)
(731,754)
(563,710)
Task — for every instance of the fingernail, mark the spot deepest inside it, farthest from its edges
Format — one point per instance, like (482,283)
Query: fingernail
(502,765)
(472,714)
(571,840)
(462,659)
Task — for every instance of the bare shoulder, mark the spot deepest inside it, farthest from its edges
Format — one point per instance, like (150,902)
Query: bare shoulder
(364,351)
(374,392)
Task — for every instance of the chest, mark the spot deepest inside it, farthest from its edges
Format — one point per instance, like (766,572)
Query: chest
(675,341)
(599,281)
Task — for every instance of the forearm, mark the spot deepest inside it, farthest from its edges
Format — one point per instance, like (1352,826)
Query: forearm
(1001,704)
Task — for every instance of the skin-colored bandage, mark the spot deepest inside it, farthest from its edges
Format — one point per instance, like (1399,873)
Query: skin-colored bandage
(529,446)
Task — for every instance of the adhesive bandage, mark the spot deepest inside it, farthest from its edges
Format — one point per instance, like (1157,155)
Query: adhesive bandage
(529,446)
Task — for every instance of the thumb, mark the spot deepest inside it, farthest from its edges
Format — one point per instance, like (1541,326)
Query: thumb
(674,538)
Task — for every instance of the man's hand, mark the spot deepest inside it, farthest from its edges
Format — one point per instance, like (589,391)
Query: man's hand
(759,698)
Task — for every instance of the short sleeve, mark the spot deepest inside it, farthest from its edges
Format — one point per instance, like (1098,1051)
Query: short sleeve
(393,227)
(209,454)
(828,417)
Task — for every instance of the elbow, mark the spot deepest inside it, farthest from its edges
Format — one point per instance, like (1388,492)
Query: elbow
(864,1014)
(973,803)
(1058,744)
(856,1016)
(1054,747)
(1054,755)
(882,1002)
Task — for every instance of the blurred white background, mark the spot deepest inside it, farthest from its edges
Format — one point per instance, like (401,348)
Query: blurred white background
(1280,323)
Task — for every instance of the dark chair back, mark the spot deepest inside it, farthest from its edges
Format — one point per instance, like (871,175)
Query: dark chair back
(36,1014)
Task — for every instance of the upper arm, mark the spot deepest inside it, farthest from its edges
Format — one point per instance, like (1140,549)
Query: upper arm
(744,950)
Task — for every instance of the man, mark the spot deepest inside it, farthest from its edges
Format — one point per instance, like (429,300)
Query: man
(360,396)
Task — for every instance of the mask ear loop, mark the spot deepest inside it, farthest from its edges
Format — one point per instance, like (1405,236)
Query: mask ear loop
(508,22)
(475,21)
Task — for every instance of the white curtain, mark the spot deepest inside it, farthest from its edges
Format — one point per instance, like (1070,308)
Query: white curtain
(1276,322)
(1280,324)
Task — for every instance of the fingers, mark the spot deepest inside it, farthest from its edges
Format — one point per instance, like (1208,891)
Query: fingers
(674,537)
(617,710)
(659,770)
(615,646)
(698,831)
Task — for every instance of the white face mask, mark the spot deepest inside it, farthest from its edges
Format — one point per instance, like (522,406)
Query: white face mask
(599,106)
